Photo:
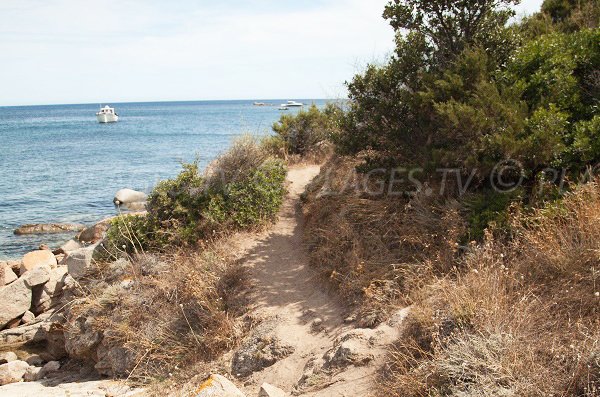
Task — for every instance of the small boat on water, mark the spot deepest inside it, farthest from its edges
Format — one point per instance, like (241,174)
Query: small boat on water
(283,107)
(292,104)
(260,104)
(107,115)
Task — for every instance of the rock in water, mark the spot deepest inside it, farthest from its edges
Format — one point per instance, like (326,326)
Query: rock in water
(218,386)
(38,258)
(126,196)
(16,300)
(12,372)
(94,233)
(48,228)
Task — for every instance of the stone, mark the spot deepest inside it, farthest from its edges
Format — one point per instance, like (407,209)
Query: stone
(113,361)
(33,373)
(44,247)
(94,234)
(7,275)
(15,265)
(34,360)
(351,348)
(218,386)
(48,228)
(126,196)
(55,284)
(37,258)
(16,300)
(40,300)
(137,206)
(267,390)
(79,262)
(7,357)
(317,324)
(51,366)
(67,247)
(261,349)
(37,276)
(28,317)
(34,333)
(12,372)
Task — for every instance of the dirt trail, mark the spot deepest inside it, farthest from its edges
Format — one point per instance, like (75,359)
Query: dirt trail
(287,289)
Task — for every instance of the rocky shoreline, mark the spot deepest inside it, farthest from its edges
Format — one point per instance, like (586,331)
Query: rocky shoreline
(35,289)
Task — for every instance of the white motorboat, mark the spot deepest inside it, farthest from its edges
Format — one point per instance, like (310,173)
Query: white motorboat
(107,115)
(292,104)
(283,107)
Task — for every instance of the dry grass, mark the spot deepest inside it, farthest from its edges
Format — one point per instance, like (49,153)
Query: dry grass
(521,319)
(516,317)
(160,313)
(375,248)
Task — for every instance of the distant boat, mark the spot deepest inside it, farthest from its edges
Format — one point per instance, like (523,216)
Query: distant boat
(292,104)
(107,115)
(283,107)
(260,104)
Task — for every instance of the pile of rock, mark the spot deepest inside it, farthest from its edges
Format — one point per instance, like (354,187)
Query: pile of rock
(32,368)
(220,386)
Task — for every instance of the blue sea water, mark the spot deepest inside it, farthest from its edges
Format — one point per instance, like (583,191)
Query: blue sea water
(58,164)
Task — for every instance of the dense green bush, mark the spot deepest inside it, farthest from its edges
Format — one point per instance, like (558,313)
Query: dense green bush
(301,134)
(242,189)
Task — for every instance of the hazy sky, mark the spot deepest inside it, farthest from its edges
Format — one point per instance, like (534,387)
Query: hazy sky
(81,51)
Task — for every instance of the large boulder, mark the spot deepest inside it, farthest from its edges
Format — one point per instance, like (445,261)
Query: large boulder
(7,275)
(94,234)
(37,258)
(15,301)
(12,372)
(48,228)
(127,196)
(80,262)
(218,386)
(67,247)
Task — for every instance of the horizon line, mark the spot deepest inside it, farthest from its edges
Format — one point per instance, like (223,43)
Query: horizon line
(172,101)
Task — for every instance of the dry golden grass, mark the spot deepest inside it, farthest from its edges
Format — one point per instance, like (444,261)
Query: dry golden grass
(507,317)
(520,319)
(176,310)
(375,248)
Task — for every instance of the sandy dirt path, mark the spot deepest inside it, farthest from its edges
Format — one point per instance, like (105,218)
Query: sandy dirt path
(287,289)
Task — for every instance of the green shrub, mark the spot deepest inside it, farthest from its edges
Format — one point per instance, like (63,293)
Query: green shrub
(242,189)
(300,134)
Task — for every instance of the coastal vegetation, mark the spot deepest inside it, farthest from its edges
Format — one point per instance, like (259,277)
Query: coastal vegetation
(463,186)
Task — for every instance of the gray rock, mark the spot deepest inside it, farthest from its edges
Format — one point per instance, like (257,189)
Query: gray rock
(7,357)
(267,390)
(28,317)
(126,196)
(351,348)
(7,275)
(79,262)
(218,386)
(12,372)
(33,373)
(260,350)
(69,246)
(16,300)
(51,366)
(37,276)
(34,360)
(55,285)
(48,228)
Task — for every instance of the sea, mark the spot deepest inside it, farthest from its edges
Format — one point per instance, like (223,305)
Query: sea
(59,165)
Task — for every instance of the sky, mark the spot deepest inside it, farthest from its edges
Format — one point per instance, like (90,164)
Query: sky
(78,51)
